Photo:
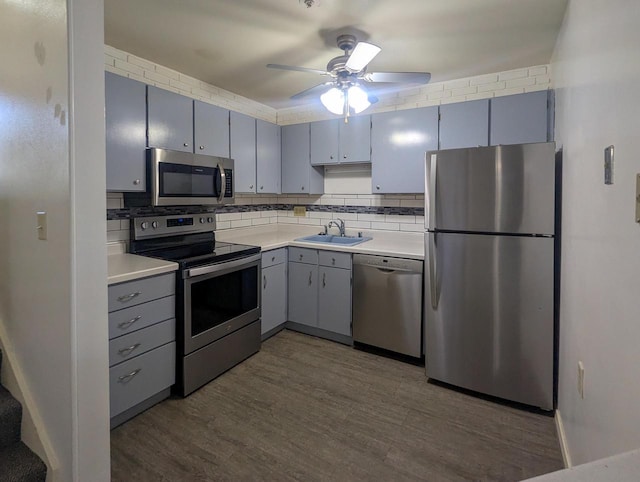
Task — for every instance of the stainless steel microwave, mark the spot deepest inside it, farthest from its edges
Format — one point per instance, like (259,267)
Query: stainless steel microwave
(177,178)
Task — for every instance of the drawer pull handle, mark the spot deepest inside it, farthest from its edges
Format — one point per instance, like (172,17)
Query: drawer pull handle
(300,257)
(324,280)
(126,351)
(273,258)
(129,376)
(264,283)
(129,297)
(310,273)
(333,261)
(127,324)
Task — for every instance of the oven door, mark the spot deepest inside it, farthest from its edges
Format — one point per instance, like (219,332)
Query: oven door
(219,299)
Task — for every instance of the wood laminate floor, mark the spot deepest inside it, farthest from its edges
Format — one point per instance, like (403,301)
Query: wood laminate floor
(309,409)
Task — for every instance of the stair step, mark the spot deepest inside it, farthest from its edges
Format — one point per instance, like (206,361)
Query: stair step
(10,418)
(19,464)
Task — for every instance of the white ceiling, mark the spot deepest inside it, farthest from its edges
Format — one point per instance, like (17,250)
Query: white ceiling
(228,43)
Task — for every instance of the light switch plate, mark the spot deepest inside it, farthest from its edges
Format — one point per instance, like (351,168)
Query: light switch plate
(41,220)
(608,165)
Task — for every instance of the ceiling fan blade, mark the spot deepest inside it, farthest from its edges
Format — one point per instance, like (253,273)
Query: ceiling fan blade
(362,54)
(297,69)
(404,77)
(315,90)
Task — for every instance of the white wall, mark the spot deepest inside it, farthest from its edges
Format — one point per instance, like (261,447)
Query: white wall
(41,280)
(596,69)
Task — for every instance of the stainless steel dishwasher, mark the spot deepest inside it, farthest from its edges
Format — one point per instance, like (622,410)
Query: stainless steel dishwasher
(387,303)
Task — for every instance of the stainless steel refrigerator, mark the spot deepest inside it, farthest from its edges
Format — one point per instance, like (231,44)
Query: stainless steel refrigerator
(489,270)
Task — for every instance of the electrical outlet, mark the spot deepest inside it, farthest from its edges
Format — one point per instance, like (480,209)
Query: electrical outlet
(299,211)
(581,379)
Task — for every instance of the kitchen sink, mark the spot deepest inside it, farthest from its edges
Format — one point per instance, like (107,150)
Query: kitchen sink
(332,239)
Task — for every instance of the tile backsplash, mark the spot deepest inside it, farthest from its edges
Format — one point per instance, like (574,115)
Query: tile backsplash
(399,212)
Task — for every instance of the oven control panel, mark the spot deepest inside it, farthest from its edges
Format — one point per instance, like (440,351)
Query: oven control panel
(159,226)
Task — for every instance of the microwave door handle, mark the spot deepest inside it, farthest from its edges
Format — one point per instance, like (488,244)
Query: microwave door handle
(223,182)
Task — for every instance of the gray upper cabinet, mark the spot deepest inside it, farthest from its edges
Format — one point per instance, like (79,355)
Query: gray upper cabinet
(334,141)
(355,139)
(243,151)
(324,142)
(210,129)
(298,175)
(126,139)
(268,157)
(465,124)
(399,140)
(520,118)
(170,120)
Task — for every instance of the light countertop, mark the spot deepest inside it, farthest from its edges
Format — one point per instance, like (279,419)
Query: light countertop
(272,236)
(127,267)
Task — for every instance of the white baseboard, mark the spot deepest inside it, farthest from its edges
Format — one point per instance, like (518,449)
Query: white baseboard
(564,447)
(34,433)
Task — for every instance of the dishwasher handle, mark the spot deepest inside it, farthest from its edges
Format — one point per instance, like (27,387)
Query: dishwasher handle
(388,265)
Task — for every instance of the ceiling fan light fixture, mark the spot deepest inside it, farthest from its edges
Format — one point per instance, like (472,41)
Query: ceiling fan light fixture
(358,99)
(333,100)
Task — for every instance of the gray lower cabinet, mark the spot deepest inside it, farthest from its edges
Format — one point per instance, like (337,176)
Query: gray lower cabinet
(268,157)
(274,289)
(141,344)
(169,120)
(464,124)
(399,140)
(126,139)
(520,118)
(298,175)
(320,289)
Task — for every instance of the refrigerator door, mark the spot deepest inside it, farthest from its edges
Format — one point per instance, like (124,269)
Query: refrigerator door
(489,314)
(501,189)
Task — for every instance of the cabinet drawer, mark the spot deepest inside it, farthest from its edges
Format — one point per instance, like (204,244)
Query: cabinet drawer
(132,293)
(276,256)
(140,316)
(141,377)
(141,341)
(335,259)
(303,255)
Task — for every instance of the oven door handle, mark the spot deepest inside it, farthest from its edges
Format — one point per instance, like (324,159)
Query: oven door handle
(213,268)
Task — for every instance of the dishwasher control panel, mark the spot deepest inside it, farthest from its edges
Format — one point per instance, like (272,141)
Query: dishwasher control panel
(388,262)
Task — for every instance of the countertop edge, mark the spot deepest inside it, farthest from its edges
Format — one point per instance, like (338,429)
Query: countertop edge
(130,267)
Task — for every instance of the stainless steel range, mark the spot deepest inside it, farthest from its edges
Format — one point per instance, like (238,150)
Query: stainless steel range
(218,294)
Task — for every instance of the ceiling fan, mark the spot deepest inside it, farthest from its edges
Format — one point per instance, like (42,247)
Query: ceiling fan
(347,90)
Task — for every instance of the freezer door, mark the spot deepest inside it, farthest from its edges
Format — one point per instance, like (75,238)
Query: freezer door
(489,315)
(501,189)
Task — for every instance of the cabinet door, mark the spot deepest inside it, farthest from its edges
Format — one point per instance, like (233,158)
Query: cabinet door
(210,129)
(519,119)
(268,157)
(274,296)
(334,300)
(298,176)
(126,137)
(170,120)
(303,293)
(243,151)
(324,142)
(399,141)
(355,140)
(465,124)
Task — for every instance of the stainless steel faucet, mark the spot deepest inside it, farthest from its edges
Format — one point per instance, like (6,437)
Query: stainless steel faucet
(339,225)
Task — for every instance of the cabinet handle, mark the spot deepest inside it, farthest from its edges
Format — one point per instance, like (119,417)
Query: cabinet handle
(201,148)
(128,350)
(129,297)
(136,182)
(129,376)
(310,273)
(324,279)
(251,187)
(126,324)
(273,258)
(302,188)
(344,157)
(264,282)
(378,187)
(301,257)
(261,187)
(333,261)
(186,144)
(330,157)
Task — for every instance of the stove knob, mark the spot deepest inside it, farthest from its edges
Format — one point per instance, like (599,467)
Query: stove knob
(201,220)
(154,224)
(144,225)
(209,219)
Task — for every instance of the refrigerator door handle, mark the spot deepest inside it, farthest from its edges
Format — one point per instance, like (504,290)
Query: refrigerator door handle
(431,224)
(433,272)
